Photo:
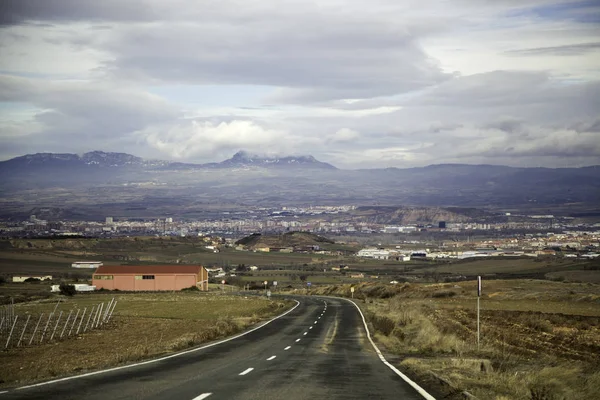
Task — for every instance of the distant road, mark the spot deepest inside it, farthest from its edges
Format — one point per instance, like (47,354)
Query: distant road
(317,351)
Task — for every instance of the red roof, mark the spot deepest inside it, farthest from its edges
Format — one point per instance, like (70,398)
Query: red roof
(148,269)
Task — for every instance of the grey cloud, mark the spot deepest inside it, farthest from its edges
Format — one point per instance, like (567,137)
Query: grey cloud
(14,88)
(487,89)
(508,124)
(527,96)
(86,114)
(313,55)
(19,11)
(311,60)
(566,50)
(534,141)
(587,126)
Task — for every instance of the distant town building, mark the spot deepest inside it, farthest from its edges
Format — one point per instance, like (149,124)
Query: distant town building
(442,225)
(109,220)
(79,287)
(87,264)
(374,253)
(18,279)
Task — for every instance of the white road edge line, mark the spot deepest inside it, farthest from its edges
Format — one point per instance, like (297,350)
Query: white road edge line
(162,358)
(297,340)
(406,379)
(287,348)
(6,391)
(202,396)
(271,358)
(246,371)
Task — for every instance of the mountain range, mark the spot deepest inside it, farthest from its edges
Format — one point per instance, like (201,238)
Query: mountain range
(123,160)
(100,183)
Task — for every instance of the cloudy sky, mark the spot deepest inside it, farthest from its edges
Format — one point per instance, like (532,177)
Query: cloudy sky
(359,84)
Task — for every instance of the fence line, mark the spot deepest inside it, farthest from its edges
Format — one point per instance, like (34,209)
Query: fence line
(80,321)
(22,330)
(11,331)
(56,326)
(36,327)
(89,319)
(47,324)
(7,315)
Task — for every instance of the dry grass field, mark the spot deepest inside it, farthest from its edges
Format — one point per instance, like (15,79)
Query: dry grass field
(143,326)
(136,250)
(540,340)
(506,266)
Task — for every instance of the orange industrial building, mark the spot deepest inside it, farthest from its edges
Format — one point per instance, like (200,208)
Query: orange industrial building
(150,277)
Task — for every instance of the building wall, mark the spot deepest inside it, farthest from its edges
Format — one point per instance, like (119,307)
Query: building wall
(160,282)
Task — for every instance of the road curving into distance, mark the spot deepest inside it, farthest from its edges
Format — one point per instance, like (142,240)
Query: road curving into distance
(318,350)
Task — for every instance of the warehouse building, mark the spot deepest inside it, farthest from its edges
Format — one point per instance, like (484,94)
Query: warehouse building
(86,264)
(150,277)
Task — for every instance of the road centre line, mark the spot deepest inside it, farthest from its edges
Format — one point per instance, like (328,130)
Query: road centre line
(271,358)
(247,371)
(315,322)
(310,327)
(305,333)
(287,348)
(202,396)
(297,340)
(161,358)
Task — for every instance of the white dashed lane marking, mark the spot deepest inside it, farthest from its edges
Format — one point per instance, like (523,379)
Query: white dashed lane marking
(310,327)
(202,396)
(246,371)
(297,340)
(315,322)
(271,358)
(287,348)
(305,333)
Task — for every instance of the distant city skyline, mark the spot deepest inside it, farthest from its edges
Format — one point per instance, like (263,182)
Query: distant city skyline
(353,83)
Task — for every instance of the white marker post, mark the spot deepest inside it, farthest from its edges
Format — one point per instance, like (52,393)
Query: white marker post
(266,287)
(478,296)
(352,291)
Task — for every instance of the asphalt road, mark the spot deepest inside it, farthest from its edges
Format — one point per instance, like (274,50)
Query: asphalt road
(317,351)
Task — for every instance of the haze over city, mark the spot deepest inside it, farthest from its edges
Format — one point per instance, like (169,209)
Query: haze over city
(355,84)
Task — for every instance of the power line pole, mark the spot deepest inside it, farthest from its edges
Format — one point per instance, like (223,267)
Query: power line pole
(478,296)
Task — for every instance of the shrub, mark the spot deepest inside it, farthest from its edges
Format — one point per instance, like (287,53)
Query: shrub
(192,288)
(443,293)
(542,392)
(67,290)
(383,324)
(537,323)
